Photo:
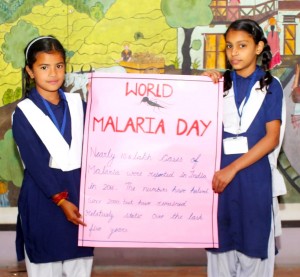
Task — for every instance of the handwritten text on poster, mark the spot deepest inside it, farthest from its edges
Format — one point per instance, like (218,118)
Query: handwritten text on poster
(152,145)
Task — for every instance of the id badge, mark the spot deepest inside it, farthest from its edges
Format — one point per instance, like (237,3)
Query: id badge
(235,145)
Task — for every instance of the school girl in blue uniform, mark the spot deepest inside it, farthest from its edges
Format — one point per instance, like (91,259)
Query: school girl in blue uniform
(48,130)
(252,109)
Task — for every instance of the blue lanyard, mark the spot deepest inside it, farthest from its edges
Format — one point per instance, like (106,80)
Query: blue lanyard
(251,84)
(52,115)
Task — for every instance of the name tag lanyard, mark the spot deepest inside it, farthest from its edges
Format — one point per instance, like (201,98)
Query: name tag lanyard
(52,115)
(235,90)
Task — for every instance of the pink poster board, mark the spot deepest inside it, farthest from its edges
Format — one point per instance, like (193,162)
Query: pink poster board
(152,144)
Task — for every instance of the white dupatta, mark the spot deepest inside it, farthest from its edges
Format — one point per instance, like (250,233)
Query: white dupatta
(63,156)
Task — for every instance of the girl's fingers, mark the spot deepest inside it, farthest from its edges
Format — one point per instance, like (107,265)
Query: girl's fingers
(213,74)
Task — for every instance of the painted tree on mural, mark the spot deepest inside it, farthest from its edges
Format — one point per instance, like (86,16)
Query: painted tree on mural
(11,169)
(187,14)
(13,47)
(11,10)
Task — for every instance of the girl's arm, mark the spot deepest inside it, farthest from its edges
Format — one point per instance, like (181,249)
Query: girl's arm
(224,176)
(34,155)
(296,80)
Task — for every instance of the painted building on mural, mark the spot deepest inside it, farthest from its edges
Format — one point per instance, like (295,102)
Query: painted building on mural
(284,16)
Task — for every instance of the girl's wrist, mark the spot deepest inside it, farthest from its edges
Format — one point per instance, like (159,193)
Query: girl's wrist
(235,167)
(60,197)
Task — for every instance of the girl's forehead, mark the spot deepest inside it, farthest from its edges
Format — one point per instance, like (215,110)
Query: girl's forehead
(49,57)
(238,35)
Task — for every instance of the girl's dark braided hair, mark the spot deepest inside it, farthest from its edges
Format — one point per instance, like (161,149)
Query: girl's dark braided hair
(252,28)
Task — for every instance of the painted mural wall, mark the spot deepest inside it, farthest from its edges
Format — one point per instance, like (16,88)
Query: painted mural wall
(140,36)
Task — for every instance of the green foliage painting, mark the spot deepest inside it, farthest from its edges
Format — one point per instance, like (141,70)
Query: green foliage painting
(13,47)
(11,169)
(187,15)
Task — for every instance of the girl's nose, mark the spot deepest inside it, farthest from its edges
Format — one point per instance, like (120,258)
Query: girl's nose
(52,71)
(234,51)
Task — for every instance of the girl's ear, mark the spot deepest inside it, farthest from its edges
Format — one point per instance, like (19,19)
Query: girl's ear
(260,47)
(29,71)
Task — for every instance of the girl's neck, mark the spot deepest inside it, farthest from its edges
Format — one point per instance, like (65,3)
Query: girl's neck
(52,97)
(246,72)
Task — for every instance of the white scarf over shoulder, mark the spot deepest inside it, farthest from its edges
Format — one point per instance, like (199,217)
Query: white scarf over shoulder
(63,156)
(231,116)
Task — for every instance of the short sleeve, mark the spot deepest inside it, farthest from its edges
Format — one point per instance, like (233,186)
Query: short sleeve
(274,101)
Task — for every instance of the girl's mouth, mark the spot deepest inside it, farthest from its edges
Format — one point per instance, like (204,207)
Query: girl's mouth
(53,82)
(234,62)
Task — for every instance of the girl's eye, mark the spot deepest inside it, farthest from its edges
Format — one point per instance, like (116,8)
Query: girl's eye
(60,66)
(242,45)
(44,67)
(228,46)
